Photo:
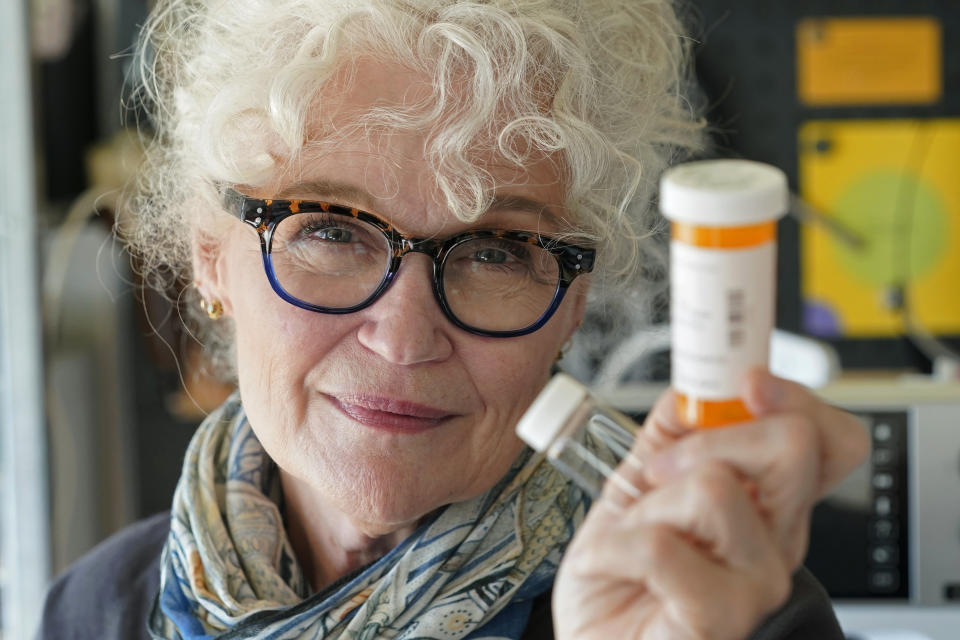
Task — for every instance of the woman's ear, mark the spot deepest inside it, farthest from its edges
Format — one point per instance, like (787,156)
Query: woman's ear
(208,269)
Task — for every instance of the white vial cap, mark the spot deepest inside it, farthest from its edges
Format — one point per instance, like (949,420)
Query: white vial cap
(721,193)
(543,421)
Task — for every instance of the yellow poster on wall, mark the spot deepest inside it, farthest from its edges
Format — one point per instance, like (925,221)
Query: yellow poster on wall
(869,60)
(888,194)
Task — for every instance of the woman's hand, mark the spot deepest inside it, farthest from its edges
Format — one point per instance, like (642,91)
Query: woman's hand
(709,549)
(691,559)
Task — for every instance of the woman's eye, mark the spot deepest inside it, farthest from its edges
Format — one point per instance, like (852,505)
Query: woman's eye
(326,230)
(333,234)
(491,256)
(501,253)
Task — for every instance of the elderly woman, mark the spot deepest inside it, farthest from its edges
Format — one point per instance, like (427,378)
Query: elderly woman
(392,211)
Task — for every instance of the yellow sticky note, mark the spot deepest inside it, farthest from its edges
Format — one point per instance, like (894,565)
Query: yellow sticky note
(866,61)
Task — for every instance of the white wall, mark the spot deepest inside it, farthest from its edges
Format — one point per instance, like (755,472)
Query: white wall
(24,546)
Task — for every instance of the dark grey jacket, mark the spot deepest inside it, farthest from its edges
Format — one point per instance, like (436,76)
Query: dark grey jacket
(108,593)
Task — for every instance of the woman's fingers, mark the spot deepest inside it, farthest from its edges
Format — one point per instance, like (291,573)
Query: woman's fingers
(791,454)
(702,596)
(712,505)
(778,459)
(699,547)
(702,528)
(843,440)
(663,426)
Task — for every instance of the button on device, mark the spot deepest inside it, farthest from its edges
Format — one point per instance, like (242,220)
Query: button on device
(882,432)
(883,505)
(884,555)
(883,481)
(884,581)
(883,529)
(882,457)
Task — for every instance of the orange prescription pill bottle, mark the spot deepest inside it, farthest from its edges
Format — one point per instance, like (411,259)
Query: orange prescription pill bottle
(723,216)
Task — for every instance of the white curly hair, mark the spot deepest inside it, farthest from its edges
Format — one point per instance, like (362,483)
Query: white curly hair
(232,87)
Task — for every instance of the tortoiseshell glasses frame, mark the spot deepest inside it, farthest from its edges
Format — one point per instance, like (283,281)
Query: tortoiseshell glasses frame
(264,216)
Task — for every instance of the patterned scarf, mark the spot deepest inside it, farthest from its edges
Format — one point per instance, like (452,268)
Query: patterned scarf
(472,570)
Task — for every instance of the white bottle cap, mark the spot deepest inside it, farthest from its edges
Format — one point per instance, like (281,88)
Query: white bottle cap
(543,421)
(721,193)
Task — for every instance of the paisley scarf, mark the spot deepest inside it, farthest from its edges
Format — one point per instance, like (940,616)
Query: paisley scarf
(470,571)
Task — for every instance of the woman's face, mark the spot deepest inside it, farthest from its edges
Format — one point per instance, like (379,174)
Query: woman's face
(392,411)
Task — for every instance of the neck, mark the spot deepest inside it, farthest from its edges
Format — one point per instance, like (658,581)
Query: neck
(327,542)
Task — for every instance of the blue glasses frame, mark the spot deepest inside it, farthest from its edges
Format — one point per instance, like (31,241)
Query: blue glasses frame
(265,215)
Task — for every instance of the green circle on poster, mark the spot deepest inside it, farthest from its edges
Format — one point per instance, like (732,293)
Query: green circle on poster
(887,210)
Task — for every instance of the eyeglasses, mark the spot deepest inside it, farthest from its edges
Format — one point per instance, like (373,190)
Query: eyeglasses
(334,259)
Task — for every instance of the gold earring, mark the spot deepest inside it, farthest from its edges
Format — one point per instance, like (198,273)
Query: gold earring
(213,309)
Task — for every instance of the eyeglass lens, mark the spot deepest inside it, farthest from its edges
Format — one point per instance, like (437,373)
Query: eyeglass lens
(491,284)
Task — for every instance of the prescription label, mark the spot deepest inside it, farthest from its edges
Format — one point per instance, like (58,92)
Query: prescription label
(722,306)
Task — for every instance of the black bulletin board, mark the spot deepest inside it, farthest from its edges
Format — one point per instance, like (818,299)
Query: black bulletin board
(746,64)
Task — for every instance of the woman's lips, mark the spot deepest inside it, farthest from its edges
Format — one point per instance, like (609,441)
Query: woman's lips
(390,414)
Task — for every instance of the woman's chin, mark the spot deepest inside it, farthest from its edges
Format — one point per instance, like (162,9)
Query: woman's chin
(381,503)
(376,519)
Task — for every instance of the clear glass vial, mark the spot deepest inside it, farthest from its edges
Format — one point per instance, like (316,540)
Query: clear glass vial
(582,437)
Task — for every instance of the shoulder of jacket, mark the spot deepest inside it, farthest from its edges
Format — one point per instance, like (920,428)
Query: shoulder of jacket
(108,592)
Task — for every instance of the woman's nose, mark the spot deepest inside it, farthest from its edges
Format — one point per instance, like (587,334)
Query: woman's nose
(406,325)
